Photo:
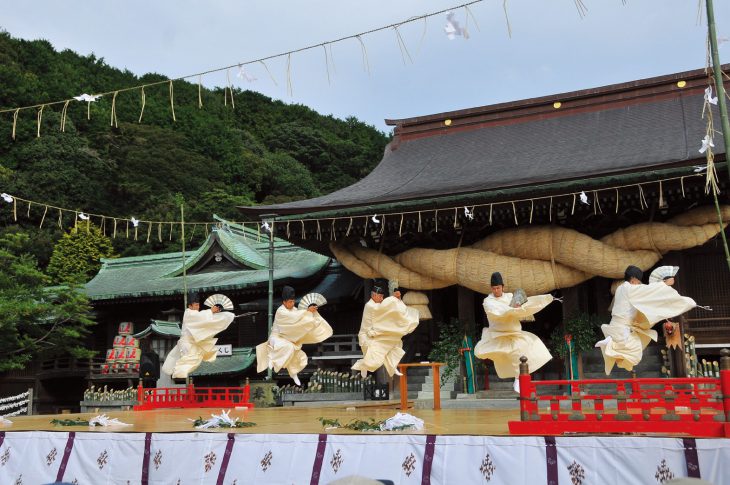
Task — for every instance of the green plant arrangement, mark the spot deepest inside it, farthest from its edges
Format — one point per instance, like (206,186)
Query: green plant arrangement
(361,424)
(70,422)
(584,329)
(446,348)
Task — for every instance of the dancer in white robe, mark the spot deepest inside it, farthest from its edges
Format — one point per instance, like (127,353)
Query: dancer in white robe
(384,323)
(291,329)
(504,341)
(637,308)
(197,338)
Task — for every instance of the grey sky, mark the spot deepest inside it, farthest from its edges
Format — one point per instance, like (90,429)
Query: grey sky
(552,49)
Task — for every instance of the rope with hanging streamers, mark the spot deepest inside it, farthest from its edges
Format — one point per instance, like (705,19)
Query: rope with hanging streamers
(456,216)
(113,120)
(64,112)
(319,232)
(490,214)
(40,118)
(114,234)
(304,231)
(572,211)
(681,183)
(60,218)
(532,208)
(149,231)
(400,226)
(28,214)
(382,225)
(436,218)
(288,234)
(144,102)
(617,200)
(420,228)
(282,54)
(332,231)
(88,110)
(365,229)
(195,226)
(15,209)
(172,103)
(349,227)
(127,231)
(514,211)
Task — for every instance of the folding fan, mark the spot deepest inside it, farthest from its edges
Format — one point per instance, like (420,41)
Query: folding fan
(218,298)
(663,272)
(518,298)
(312,299)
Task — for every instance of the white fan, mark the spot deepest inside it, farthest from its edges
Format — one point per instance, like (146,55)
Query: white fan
(663,272)
(519,298)
(312,299)
(217,299)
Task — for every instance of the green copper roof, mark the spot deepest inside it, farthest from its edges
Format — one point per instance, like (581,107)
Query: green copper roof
(240,360)
(161,274)
(160,327)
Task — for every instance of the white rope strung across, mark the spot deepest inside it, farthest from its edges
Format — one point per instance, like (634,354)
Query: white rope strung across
(13,405)
(14,398)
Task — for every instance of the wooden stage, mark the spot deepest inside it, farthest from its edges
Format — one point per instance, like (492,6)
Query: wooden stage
(280,420)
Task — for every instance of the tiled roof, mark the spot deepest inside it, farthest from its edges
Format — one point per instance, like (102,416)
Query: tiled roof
(161,274)
(240,360)
(632,127)
(160,327)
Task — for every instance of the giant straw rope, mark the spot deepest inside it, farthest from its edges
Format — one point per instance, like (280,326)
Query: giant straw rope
(538,259)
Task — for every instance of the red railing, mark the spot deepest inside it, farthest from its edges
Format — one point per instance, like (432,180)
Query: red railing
(683,406)
(193,397)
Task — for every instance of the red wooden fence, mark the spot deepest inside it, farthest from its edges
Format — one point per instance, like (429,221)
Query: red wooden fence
(684,406)
(193,397)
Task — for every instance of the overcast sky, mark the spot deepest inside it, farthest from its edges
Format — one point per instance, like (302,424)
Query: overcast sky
(552,49)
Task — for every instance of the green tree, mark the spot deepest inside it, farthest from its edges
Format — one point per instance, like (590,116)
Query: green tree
(34,320)
(77,255)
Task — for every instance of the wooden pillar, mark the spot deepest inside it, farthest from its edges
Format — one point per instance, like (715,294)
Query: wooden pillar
(466,309)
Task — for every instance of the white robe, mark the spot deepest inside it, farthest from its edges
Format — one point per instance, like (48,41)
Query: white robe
(504,341)
(382,327)
(637,308)
(290,330)
(197,342)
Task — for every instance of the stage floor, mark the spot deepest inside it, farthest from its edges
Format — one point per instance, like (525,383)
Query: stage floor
(279,420)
